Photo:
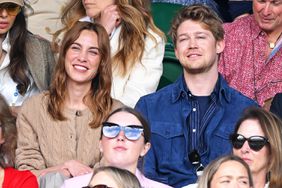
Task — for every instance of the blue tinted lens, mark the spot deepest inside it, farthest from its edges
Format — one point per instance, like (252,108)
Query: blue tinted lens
(111,131)
(131,132)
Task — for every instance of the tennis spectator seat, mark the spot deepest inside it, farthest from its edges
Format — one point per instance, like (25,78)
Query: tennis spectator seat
(163,14)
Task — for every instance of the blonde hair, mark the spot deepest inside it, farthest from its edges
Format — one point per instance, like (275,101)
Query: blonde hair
(122,177)
(136,20)
(212,168)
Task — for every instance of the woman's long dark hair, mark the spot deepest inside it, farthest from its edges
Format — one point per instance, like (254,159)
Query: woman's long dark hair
(18,67)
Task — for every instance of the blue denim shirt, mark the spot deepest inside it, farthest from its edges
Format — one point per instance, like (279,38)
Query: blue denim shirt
(167,111)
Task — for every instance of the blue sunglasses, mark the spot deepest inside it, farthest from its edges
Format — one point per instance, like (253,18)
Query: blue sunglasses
(131,132)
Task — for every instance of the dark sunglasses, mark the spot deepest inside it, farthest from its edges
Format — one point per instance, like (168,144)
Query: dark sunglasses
(256,143)
(11,8)
(131,132)
(97,186)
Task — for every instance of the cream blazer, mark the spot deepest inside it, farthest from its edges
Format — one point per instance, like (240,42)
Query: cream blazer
(144,77)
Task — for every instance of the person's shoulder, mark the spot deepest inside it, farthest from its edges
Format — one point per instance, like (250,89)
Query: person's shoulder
(18,178)
(278,96)
(148,183)
(239,25)
(21,173)
(32,38)
(277,101)
(116,104)
(238,96)
(155,35)
(78,181)
(36,100)
(234,96)
(162,93)
(154,184)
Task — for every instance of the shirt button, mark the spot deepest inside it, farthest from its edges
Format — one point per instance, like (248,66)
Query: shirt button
(190,95)
(194,109)
(194,130)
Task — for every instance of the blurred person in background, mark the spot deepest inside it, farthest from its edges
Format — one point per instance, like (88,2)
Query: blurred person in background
(251,60)
(26,60)
(43,18)
(10,177)
(137,45)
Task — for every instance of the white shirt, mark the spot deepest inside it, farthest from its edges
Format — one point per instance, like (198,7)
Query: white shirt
(144,76)
(8,88)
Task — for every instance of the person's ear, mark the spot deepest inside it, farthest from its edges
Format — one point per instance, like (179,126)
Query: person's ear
(220,45)
(145,149)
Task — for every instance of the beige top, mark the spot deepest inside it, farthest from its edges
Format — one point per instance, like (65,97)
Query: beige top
(43,142)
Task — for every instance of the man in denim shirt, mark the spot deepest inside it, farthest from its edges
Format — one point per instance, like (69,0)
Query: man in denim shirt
(191,119)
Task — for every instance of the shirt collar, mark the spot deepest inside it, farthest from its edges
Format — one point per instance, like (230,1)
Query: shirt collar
(86,19)
(6,44)
(221,90)
(255,29)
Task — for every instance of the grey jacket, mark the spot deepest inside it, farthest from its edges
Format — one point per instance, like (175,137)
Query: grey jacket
(40,60)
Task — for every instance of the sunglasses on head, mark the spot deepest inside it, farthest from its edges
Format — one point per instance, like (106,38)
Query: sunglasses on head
(131,132)
(97,186)
(256,143)
(11,8)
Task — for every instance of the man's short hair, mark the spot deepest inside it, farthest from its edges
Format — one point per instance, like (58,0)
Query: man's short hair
(202,14)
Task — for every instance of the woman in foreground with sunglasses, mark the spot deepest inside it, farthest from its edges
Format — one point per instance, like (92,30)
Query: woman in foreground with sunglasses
(125,138)
(26,60)
(258,141)
(112,177)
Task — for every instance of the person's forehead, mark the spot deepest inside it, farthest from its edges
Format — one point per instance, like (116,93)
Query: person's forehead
(124,118)
(190,26)
(191,23)
(250,127)
(271,1)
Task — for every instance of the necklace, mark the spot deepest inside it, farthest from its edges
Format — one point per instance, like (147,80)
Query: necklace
(273,44)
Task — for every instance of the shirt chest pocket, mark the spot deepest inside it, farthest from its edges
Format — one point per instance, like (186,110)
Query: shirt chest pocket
(220,138)
(168,141)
